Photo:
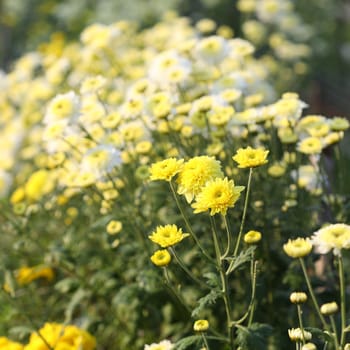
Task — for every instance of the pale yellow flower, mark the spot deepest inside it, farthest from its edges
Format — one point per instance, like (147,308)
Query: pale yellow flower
(250,157)
(165,169)
(297,248)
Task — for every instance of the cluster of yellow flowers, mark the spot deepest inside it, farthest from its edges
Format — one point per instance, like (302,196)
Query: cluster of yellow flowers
(101,103)
(54,336)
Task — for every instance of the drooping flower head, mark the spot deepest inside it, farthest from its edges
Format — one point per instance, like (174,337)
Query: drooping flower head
(195,173)
(250,157)
(217,196)
(332,237)
(297,248)
(167,236)
(165,169)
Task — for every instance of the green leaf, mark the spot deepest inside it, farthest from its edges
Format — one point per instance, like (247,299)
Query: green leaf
(213,279)
(253,337)
(206,300)
(242,258)
(320,333)
(187,342)
(21,331)
(78,296)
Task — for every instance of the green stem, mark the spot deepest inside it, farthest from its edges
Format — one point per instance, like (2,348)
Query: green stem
(244,212)
(342,300)
(334,328)
(301,322)
(312,294)
(229,238)
(224,281)
(183,266)
(205,342)
(188,226)
(174,292)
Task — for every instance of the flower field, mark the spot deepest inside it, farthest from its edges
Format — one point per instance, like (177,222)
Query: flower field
(164,188)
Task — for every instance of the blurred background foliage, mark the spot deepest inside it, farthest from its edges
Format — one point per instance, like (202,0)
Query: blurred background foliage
(321,25)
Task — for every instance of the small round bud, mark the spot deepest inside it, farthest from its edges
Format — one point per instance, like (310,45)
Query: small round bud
(201,325)
(252,237)
(298,297)
(309,346)
(329,308)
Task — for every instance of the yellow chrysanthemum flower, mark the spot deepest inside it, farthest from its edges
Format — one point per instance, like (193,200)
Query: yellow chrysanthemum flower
(7,344)
(217,196)
(165,169)
(250,157)
(26,275)
(161,258)
(167,236)
(61,337)
(332,237)
(297,248)
(195,173)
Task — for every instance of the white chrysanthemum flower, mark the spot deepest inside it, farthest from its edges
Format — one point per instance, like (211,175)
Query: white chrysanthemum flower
(62,107)
(212,49)
(332,237)
(163,345)
(100,160)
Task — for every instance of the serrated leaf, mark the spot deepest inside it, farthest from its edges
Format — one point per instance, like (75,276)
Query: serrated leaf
(213,279)
(253,337)
(205,301)
(239,260)
(187,342)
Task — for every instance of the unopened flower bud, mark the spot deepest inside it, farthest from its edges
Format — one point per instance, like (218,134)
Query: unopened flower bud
(201,325)
(298,297)
(329,308)
(309,346)
(252,237)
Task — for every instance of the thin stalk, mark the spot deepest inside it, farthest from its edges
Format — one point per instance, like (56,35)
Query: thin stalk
(334,328)
(174,292)
(244,212)
(342,300)
(188,225)
(224,281)
(189,273)
(301,322)
(229,238)
(312,294)
(205,342)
